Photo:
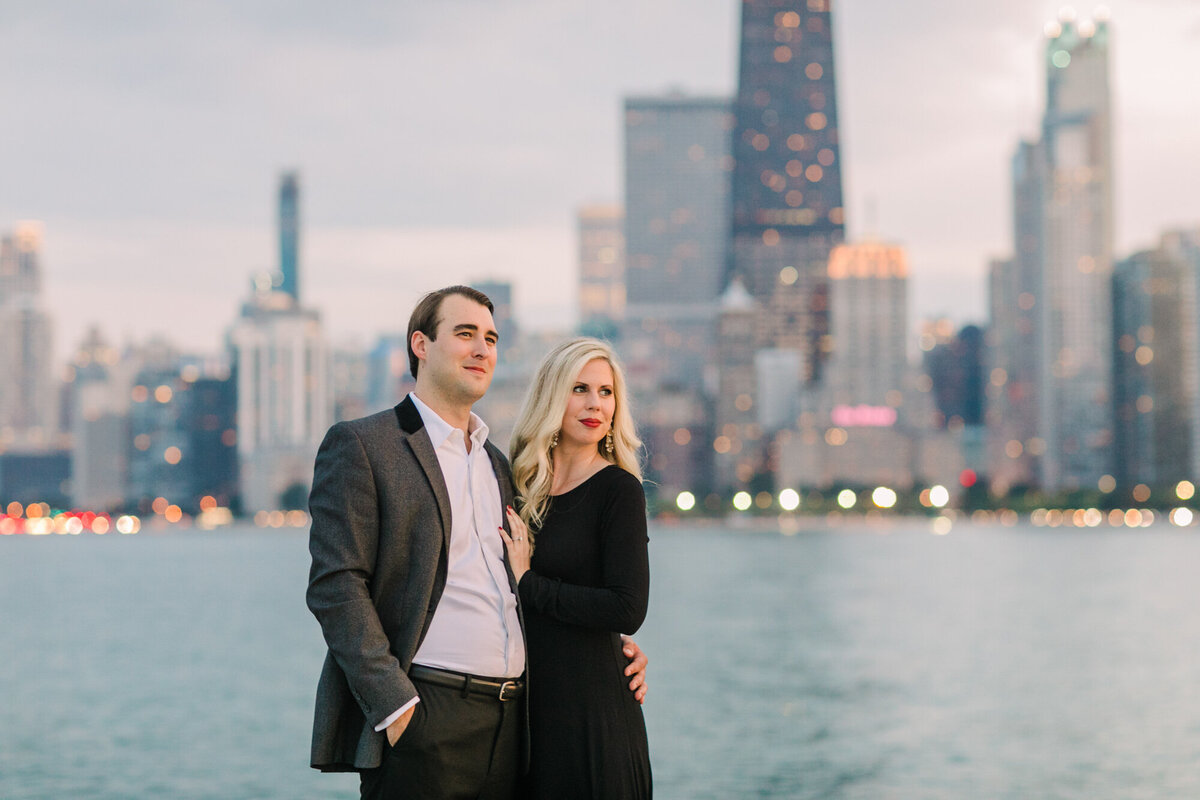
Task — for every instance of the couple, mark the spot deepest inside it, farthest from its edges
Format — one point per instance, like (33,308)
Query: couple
(430,598)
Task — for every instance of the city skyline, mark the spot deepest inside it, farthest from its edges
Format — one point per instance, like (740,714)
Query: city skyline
(151,152)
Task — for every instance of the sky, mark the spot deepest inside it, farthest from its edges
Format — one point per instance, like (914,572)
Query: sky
(450,141)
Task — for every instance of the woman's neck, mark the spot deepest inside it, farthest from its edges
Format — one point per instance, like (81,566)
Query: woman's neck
(574,465)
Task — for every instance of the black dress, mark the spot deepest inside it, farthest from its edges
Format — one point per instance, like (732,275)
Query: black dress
(589,582)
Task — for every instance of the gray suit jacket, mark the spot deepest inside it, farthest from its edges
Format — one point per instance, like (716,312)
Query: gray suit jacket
(379,542)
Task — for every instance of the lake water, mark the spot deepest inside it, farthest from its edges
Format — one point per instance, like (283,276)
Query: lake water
(863,662)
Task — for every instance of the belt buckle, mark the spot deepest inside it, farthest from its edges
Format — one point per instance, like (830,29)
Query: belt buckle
(504,687)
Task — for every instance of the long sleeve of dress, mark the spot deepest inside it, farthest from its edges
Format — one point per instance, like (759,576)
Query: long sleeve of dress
(619,599)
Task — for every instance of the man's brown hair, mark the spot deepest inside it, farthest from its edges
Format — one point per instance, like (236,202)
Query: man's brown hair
(425,317)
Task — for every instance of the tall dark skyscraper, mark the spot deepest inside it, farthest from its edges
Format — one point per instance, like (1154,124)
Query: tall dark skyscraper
(786,217)
(289,234)
(787,184)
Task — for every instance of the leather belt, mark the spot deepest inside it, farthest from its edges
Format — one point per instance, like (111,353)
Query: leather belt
(499,688)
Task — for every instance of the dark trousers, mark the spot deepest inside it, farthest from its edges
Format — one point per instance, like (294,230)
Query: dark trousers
(456,747)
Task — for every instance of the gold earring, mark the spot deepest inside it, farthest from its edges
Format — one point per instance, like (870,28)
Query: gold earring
(608,442)
(554,440)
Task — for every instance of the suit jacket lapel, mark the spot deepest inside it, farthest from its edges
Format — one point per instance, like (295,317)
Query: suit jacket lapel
(418,440)
(504,479)
(503,476)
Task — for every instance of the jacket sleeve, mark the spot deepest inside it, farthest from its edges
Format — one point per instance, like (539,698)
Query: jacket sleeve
(619,603)
(343,543)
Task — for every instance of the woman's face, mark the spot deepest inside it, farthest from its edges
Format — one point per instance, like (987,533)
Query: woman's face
(591,405)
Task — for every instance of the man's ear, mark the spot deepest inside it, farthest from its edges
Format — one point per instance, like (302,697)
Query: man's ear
(419,344)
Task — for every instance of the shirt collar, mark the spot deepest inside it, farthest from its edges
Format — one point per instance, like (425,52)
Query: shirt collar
(439,430)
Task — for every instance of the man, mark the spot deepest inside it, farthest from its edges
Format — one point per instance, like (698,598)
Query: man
(422,688)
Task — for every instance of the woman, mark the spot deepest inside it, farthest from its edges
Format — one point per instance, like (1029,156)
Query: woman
(574,458)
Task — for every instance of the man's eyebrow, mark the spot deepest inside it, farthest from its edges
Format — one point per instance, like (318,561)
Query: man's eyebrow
(470,326)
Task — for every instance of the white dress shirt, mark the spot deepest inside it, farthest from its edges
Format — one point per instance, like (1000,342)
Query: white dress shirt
(475,628)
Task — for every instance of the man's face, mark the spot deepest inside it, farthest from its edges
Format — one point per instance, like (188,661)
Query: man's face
(459,362)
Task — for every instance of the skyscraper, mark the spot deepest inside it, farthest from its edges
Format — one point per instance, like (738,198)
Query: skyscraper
(289,234)
(787,186)
(677,171)
(1184,247)
(284,396)
(869,301)
(160,459)
(388,378)
(282,368)
(601,269)
(737,435)
(29,388)
(1014,289)
(956,372)
(677,174)
(212,439)
(786,213)
(100,398)
(1154,367)
(349,375)
(500,292)
(1075,298)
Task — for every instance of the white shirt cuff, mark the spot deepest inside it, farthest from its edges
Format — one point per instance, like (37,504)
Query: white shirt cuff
(397,714)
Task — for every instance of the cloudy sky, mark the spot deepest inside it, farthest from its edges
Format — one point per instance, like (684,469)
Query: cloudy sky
(454,140)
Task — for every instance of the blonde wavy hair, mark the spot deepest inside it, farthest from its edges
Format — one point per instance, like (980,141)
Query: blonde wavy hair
(541,416)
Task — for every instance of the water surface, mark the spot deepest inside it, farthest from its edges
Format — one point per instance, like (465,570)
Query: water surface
(848,663)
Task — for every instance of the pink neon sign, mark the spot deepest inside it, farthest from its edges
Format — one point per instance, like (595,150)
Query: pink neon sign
(863,416)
